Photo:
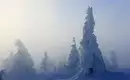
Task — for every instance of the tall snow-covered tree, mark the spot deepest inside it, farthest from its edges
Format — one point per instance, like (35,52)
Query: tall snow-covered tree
(73,60)
(92,61)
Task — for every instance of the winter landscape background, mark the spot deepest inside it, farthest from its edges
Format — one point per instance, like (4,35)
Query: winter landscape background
(70,40)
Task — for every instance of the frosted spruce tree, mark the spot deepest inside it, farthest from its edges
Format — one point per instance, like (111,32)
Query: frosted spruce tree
(73,60)
(91,57)
(23,56)
(21,64)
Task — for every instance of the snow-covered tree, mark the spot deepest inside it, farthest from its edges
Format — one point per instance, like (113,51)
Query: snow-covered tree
(92,61)
(21,63)
(73,60)
(22,57)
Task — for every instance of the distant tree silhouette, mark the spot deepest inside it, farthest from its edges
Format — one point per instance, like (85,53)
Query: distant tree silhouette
(114,62)
(2,74)
(21,64)
(44,63)
(107,63)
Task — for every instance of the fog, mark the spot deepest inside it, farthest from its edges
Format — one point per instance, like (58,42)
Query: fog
(50,25)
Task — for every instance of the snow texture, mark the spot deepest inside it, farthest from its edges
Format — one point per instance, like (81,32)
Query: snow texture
(92,61)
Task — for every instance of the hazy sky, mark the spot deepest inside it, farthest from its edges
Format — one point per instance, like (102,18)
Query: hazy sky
(50,25)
